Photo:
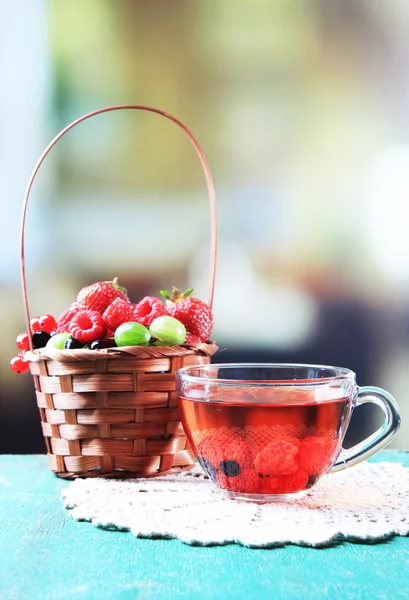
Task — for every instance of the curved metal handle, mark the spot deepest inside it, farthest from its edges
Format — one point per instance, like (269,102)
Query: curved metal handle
(209,183)
(381,437)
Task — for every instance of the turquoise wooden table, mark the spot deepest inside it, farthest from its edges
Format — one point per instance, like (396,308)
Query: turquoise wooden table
(44,553)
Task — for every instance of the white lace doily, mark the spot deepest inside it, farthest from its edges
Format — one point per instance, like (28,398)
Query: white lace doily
(367,502)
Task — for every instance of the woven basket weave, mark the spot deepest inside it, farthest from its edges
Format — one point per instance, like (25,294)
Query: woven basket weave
(114,412)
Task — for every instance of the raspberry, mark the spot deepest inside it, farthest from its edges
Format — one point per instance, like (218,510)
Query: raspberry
(99,296)
(147,310)
(87,326)
(195,314)
(246,482)
(66,317)
(118,312)
(240,452)
(317,453)
(225,454)
(288,484)
(278,458)
(210,451)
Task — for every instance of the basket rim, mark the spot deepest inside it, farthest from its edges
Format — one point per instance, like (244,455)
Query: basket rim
(142,352)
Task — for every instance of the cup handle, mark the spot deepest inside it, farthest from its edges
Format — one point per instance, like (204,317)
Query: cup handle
(381,437)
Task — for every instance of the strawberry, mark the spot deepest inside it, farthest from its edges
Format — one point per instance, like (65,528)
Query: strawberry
(99,296)
(66,317)
(148,309)
(192,339)
(195,314)
(118,312)
(87,326)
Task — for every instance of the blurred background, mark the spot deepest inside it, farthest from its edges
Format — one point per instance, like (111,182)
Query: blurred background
(302,110)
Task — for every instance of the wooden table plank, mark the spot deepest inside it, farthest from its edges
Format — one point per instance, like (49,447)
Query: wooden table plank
(44,553)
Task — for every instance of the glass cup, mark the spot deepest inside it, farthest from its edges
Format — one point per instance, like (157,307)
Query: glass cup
(264,432)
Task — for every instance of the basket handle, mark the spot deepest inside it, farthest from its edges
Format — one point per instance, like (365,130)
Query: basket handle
(209,183)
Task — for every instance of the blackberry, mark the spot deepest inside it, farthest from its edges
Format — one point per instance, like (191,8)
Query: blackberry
(73,344)
(311,480)
(208,467)
(99,344)
(40,338)
(230,468)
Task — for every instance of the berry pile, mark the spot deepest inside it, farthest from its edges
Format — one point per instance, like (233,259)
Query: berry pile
(283,466)
(103,316)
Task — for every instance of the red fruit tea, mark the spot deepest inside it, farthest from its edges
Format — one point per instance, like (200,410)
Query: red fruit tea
(253,447)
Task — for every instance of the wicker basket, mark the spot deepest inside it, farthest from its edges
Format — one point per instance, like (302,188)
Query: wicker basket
(114,412)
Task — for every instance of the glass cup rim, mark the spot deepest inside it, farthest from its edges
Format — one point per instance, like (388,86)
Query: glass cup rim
(343,374)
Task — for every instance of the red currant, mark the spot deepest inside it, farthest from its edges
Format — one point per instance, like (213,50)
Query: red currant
(35,324)
(47,323)
(22,341)
(18,364)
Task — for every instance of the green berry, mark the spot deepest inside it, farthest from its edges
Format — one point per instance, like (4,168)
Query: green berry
(58,340)
(132,334)
(168,330)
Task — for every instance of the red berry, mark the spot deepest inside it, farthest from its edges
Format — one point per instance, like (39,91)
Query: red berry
(65,319)
(99,296)
(209,453)
(224,452)
(47,323)
(240,452)
(192,339)
(211,449)
(23,341)
(87,326)
(317,453)
(289,484)
(246,481)
(18,364)
(195,314)
(118,312)
(148,309)
(278,458)
(35,324)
